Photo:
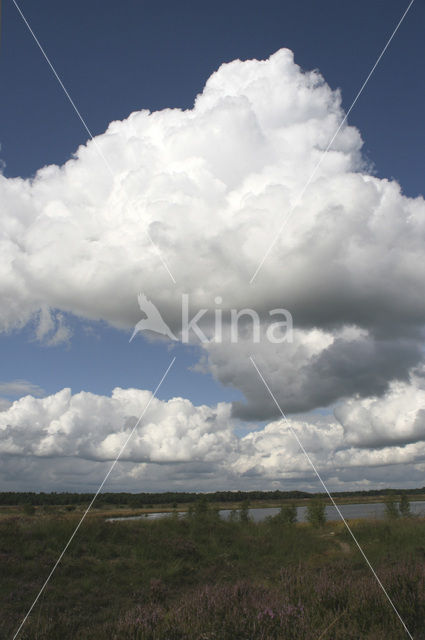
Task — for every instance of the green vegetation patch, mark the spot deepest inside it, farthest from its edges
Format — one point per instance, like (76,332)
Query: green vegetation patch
(204,578)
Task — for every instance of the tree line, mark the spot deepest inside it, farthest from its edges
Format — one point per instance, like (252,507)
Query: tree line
(139,500)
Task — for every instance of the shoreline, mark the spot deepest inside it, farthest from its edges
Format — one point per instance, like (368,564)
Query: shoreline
(111,511)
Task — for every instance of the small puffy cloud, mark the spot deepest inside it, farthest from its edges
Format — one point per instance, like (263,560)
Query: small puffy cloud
(15,389)
(274,451)
(398,417)
(51,329)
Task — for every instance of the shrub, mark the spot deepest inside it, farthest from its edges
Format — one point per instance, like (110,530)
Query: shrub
(391,510)
(316,513)
(404,506)
(244,512)
(288,514)
(28,509)
(201,507)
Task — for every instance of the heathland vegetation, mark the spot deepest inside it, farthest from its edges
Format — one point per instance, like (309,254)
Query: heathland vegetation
(204,578)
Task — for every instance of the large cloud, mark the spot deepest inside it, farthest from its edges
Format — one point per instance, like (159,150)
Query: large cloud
(211,186)
(200,182)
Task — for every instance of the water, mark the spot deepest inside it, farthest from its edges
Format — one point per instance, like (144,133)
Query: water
(144,516)
(367,510)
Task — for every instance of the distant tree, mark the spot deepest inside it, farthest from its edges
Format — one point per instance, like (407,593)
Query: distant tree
(404,506)
(391,510)
(316,515)
(288,514)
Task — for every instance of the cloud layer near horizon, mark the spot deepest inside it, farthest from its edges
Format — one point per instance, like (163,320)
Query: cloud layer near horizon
(211,186)
(364,434)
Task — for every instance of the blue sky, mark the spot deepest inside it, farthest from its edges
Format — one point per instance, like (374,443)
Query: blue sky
(356,338)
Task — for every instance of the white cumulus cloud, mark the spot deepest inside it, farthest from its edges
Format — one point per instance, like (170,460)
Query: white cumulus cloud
(94,427)
(190,446)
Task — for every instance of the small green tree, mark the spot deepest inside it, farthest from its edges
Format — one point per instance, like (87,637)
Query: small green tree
(391,509)
(404,506)
(288,514)
(316,515)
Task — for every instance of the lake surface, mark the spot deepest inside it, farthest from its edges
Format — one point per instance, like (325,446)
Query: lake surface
(368,510)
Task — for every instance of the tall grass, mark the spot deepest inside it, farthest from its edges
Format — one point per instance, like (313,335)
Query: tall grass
(204,578)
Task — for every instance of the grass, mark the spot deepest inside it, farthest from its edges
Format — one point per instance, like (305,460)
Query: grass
(203,578)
